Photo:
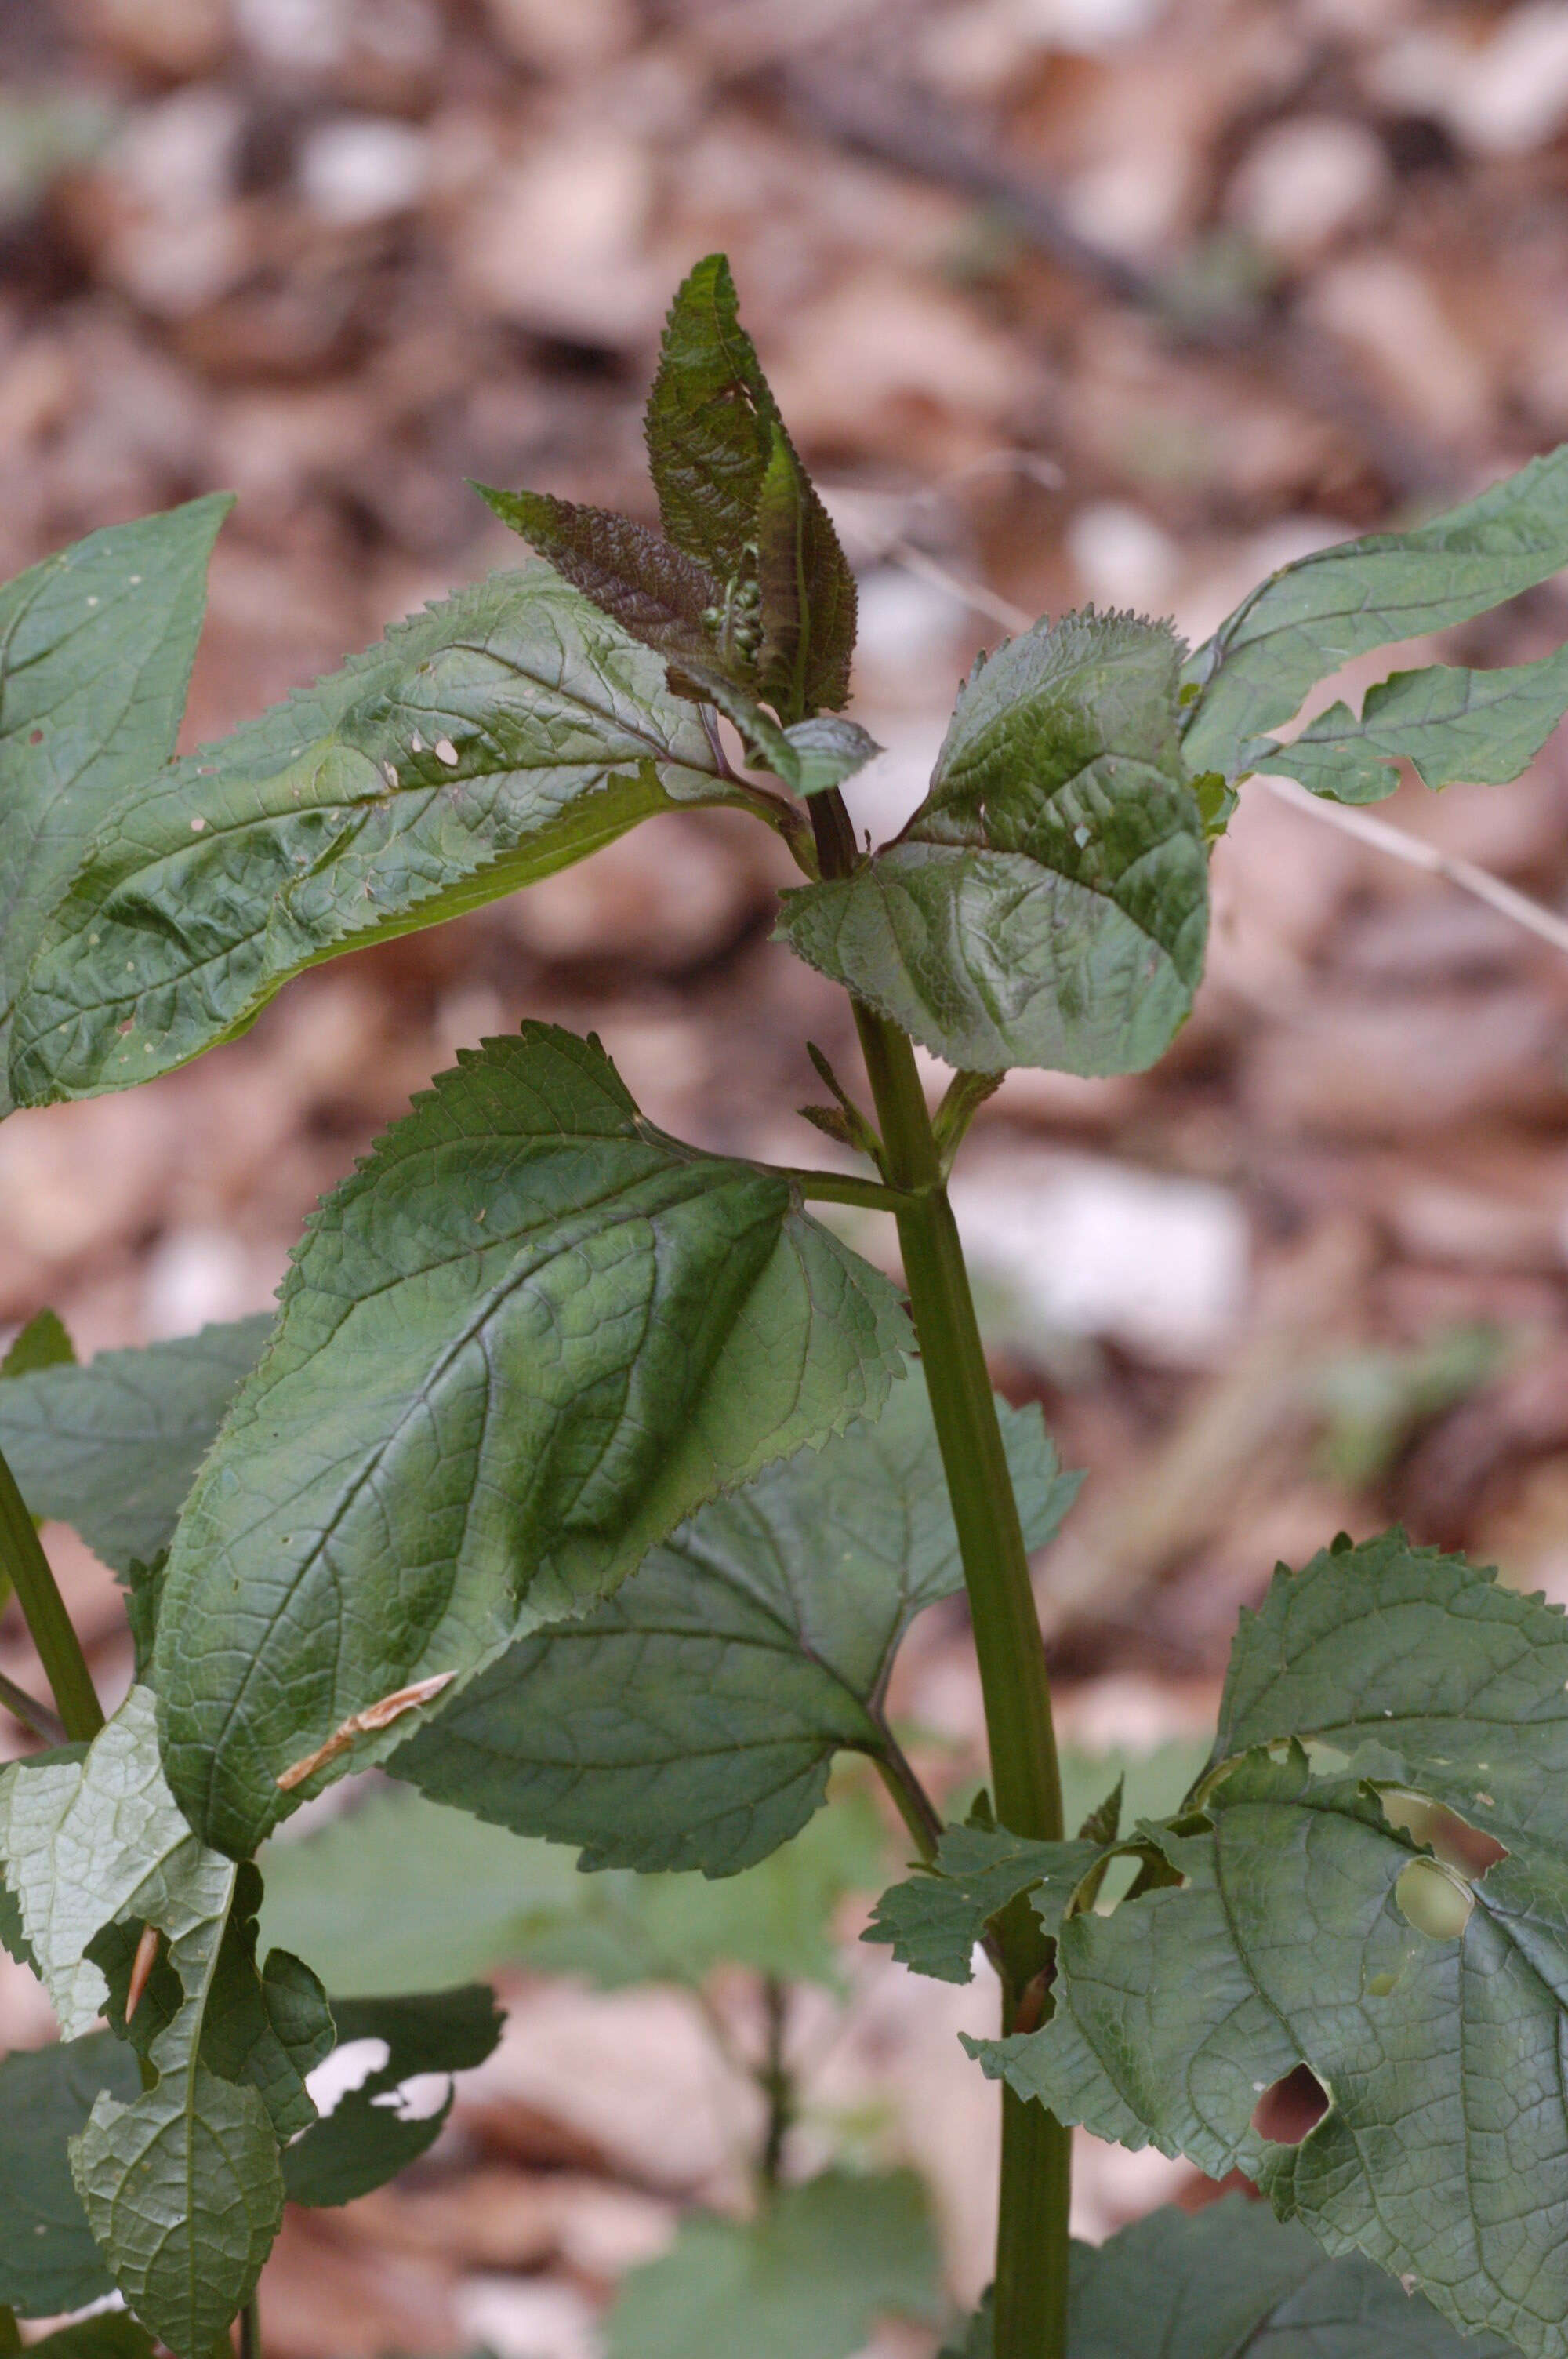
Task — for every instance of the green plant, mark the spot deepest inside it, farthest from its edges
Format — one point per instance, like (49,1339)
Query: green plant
(587,1484)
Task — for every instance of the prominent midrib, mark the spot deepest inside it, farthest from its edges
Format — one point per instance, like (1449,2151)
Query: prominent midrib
(563,1237)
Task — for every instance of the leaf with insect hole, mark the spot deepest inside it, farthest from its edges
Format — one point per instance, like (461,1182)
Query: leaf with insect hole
(1384,1703)
(491,740)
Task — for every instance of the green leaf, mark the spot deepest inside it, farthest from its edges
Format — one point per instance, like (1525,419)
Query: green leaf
(401,1893)
(1048,903)
(807,603)
(487,742)
(691,1720)
(805,2280)
(109,2335)
(708,426)
(1314,615)
(827,750)
(96,646)
(42,1343)
(643,581)
(379,2127)
(1429,1702)
(525,1340)
(1232,2279)
(181,2183)
(48,2261)
(111,1448)
(933,1920)
(1481,726)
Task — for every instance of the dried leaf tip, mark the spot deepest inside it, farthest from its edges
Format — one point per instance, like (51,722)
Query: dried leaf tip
(365,1723)
(142,1966)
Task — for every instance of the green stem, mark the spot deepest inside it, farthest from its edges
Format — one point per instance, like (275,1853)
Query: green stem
(30,1712)
(1031,2238)
(10,2332)
(914,1804)
(250,2329)
(838,1188)
(59,1647)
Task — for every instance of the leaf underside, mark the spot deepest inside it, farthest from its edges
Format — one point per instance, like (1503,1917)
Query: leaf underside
(1443,2153)
(180,2181)
(525,1341)
(1048,903)
(493,738)
(691,1720)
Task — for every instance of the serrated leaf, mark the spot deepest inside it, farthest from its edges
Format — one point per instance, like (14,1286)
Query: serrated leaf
(691,1720)
(485,1401)
(1232,2279)
(1297,1936)
(180,2182)
(1314,615)
(807,592)
(1484,727)
(48,2262)
(708,425)
(1048,903)
(96,645)
(401,1893)
(41,1343)
(806,2279)
(493,738)
(642,580)
(111,1447)
(183,2193)
(380,2125)
(933,1920)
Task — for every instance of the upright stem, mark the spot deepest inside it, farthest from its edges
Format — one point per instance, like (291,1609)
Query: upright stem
(59,1647)
(250,2329)
(1030,2297)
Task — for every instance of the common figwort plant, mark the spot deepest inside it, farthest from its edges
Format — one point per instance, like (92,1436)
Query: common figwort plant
(587,1484)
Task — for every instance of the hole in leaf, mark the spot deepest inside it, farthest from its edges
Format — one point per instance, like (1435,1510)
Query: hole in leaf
(1455,1840)
(1293,2106)
(1434,1900)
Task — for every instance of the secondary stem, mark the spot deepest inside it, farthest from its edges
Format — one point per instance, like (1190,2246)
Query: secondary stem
(1030,2294)
(59,1647)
